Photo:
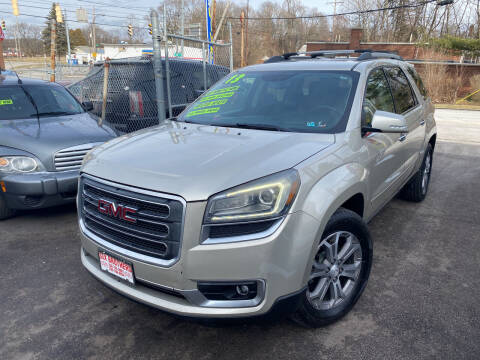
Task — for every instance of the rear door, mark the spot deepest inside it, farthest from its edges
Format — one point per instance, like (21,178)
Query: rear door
(385,160)
(407,104)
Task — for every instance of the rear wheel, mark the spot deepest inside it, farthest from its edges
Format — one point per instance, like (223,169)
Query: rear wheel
(340,271)
(416,189)
(5,212)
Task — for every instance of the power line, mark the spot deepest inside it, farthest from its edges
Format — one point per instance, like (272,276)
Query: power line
(76,21)
(74,11)
(358,12)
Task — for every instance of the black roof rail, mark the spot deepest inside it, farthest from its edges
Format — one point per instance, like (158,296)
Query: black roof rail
(365,54)
(379,55)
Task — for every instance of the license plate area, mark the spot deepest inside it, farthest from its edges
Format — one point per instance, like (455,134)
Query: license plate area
(116,266)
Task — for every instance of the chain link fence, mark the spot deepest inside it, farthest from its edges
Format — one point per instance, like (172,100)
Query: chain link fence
(123,92)
(64,73)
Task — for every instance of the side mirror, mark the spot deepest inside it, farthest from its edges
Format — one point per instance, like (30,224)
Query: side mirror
(87,105)
(387,122)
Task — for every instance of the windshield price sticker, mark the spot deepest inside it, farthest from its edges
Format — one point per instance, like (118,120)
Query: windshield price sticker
(6,102)
(226,89)
(203,111)
(219,96)
(216,97)
(210,103)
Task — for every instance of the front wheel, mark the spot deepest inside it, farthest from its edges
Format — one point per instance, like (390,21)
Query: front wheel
(340,270)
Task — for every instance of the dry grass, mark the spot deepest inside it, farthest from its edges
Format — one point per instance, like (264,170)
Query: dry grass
(442,86)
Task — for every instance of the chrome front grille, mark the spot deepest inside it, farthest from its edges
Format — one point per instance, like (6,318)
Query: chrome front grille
(72,157)
(153,226)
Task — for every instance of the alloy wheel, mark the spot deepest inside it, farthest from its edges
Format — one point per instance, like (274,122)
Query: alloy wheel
(335,270)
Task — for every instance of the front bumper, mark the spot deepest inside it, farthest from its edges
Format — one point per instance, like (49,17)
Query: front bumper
(39,190)
(279,261)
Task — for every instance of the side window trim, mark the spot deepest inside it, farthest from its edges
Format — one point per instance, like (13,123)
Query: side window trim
(412,93)
(380,67)
(390,89)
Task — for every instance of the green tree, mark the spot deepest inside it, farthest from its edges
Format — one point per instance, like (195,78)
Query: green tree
(76,38)
(61,38)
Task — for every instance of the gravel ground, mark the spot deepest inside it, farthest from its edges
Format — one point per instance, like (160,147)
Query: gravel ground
(422,300)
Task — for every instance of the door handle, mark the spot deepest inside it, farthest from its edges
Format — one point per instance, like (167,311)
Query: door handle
(422,122)
(402,137)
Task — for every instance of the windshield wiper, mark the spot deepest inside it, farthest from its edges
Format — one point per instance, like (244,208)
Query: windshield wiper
(55,113)
(258,127)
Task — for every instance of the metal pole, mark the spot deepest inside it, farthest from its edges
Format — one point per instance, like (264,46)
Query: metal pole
(53,36)
(157,67)
(231,46)
(19,50)
(167,67)
(106,70)
(182,24)
(68,37)
(204,68)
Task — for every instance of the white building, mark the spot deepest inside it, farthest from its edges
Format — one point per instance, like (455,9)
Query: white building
(120,51)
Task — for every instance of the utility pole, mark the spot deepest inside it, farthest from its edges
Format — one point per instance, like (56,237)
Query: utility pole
(214,12)
(242,39)
(53,39)
(334,21)
(93,34)
(246,33)
(2,62)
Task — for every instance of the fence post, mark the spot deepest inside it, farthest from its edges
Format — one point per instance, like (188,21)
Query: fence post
(204,68)
(157,67)
(53,36)
(231,45)
(167,65)
(106,70)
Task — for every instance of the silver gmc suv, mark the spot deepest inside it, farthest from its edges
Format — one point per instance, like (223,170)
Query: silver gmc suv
(255,200)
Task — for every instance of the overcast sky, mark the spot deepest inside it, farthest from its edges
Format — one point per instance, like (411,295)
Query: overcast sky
(105,9)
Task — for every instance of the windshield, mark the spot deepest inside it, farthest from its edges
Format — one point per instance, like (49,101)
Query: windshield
(16,102)
(297,101)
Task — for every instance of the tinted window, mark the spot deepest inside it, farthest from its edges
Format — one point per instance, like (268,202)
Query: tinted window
(418,81)
(402,93)
(304,101)
(377,96)
(53,100)
(15,104)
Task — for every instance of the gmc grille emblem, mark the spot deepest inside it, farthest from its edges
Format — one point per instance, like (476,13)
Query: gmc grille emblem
(112,209)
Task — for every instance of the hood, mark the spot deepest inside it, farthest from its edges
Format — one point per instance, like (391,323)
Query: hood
(197,161)
(45,137)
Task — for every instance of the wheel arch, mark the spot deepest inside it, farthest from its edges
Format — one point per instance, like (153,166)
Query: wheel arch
(343,187)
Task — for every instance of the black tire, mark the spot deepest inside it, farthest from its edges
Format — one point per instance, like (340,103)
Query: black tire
(414,190)
(348,221)
(5,212)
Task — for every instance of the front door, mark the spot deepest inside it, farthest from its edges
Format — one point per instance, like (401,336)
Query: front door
(384,149)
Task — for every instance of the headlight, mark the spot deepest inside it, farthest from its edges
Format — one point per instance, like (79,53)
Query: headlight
(21,164)
(268,197)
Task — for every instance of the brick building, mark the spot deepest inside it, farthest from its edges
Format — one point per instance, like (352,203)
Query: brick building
(418,55)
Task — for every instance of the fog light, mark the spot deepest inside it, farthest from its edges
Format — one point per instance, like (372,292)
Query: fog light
(242,290)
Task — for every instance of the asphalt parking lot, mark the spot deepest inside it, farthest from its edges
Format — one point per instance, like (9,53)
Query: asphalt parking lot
(422,300)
